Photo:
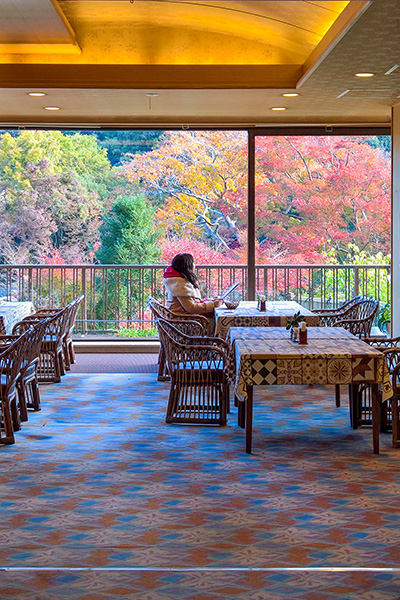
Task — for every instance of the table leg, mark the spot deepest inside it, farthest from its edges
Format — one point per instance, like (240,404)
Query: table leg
(241,413)
(375,417)
(249,418)
(353,395)
(337,395)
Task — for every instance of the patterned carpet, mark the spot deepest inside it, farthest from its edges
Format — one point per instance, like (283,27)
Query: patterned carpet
(97,480)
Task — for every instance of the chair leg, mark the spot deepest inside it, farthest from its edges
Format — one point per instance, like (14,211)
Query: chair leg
(16,421)
(395,421)
(61,364)
(172,401)
(71,352)
(8,436)
(23,413)
(163,374)
(34,395)
(66,357)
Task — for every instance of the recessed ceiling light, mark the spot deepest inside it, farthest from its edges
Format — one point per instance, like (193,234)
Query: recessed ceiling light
(365,74)
(278,108)
(36,94)
(290,95)
(51,108)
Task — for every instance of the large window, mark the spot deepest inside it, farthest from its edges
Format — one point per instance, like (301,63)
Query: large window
(322,200)
(79,201)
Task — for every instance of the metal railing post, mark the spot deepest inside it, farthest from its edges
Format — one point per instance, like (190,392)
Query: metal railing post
(84,303)
(356,281)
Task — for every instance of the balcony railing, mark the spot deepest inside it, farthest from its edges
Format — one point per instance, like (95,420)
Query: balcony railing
(116,295)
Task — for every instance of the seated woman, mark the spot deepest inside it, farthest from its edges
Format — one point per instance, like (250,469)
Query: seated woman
(181,283)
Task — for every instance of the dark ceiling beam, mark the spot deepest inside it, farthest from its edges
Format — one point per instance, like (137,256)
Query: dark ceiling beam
(150,76)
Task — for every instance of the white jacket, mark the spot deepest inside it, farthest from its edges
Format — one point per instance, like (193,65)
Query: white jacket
(183,297)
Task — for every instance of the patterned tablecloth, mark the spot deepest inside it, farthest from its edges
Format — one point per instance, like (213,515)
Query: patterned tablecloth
(13,312)
(278,361)
(248,315)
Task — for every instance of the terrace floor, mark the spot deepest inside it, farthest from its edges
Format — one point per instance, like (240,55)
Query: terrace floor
(102,500)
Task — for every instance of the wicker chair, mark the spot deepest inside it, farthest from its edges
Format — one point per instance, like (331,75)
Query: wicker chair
(51,362)
(28,385)
(199,383)
(68,346)
(395,404)
(10,364)
(361,409)
(328,316)
(159,311)
(358,319)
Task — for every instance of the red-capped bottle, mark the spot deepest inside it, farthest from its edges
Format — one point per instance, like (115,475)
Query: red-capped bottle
(303,333)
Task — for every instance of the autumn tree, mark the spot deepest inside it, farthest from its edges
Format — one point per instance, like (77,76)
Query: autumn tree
(318,195)
(315,196)
(197,180)
(52,191)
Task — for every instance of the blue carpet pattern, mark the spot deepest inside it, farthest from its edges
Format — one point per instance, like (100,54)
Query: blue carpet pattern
(97,480)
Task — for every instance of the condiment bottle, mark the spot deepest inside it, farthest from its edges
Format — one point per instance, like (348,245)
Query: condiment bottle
(303,333)
(262,303)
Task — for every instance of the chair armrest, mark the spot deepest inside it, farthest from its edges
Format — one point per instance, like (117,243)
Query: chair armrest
(350,322)
(199,328)
(384,343)
(215,342)
(206,354)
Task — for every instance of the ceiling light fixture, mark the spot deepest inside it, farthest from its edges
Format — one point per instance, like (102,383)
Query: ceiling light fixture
(390,71)
(365,74)
(278,108)
(290,95)
(150,96)
(36,94)
(51,108)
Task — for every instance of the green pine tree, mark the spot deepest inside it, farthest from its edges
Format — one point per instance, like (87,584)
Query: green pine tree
(127,234)
(128,237)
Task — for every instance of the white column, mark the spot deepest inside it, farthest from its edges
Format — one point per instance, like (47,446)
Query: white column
(396,220)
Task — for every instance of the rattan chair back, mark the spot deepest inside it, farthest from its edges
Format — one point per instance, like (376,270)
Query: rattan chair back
(160,311)
(199,385)
(190,324)
(359,319)
(339,309)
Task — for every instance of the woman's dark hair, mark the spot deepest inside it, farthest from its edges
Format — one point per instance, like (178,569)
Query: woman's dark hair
(184,264)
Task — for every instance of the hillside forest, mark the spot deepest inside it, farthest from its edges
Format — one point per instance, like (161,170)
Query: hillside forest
(137,197)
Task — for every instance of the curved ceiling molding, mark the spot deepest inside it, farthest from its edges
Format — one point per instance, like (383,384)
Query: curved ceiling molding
(37,28)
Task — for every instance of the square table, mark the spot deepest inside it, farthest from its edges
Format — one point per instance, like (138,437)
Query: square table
(271,359)
(247,315)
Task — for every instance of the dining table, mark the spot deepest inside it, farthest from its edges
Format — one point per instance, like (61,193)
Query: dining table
(332,356)
(11,312)
(247,314)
